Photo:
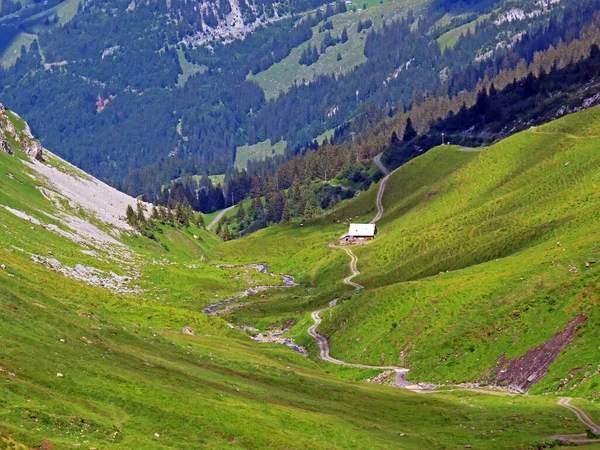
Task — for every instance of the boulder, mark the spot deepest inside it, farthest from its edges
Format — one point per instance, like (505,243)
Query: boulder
(34,150)
(5,147)
(189,331)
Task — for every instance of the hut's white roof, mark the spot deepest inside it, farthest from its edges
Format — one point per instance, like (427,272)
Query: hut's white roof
(362,229)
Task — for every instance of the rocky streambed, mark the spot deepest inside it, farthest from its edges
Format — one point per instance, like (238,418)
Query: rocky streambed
(228,304)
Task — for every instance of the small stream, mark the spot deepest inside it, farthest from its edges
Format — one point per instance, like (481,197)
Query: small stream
(272,336)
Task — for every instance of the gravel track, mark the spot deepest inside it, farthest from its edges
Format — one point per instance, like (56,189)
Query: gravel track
(316,315)
(218,217)
(584,418)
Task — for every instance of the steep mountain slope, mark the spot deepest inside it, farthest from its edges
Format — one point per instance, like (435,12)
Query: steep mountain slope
(485,267)
(105,345)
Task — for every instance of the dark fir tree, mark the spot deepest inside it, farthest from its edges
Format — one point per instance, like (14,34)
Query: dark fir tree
(409,131)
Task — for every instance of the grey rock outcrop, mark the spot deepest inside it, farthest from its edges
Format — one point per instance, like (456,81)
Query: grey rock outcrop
(23,138)
(33,149)
(5,147)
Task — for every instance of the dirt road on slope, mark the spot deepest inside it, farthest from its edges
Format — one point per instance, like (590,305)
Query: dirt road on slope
(218,217)
(353,269)
(381,191)
(324,348)
(584,418)
(316,315)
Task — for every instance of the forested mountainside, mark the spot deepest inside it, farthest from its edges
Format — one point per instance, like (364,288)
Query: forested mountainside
(312,183)
(139,109)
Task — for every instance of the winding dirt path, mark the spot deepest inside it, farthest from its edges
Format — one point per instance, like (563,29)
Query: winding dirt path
(324,348)
(381,191)
(355,272)
(584,418)
(316,315)
(218,217)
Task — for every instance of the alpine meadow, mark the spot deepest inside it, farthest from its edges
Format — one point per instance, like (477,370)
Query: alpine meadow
(299,224)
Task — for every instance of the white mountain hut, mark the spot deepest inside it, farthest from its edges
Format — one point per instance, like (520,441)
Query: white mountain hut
(359,232)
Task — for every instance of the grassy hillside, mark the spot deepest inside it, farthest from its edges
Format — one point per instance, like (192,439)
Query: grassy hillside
(93,353)
(516,227)
(480,256)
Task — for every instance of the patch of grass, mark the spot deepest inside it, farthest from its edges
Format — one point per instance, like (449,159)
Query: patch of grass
(12,50)
(257,152)
(325,135)
(450,38)
(217,179)
(189,69)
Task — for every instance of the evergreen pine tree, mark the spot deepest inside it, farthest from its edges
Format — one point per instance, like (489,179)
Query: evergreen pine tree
(130,216)
(180,214)
(311,206)
(241,213)
(344,36)
(409,131)
(141,218)
(287,213)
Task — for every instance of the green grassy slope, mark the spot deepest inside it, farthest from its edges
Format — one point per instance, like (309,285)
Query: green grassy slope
(479,254)
(257,152)
(81,365)
(450,38)
(495,224)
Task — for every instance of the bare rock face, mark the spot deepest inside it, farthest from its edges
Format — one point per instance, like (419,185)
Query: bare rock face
(24,139)
(522,373)
(33,149)
(5,147)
